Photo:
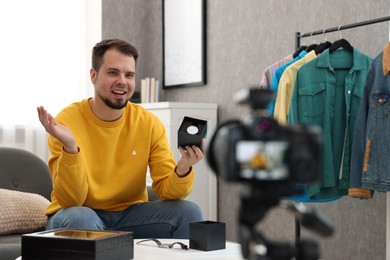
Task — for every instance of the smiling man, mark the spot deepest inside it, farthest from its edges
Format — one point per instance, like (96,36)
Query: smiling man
(100,149)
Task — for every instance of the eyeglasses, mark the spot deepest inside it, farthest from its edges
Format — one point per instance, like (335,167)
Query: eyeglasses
(164,245)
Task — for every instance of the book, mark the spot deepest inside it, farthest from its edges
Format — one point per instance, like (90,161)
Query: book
(150,90)
(143,91)
(147,88)
(157,91)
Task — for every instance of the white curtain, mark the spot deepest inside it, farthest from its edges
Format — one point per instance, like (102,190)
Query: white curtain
(45,50)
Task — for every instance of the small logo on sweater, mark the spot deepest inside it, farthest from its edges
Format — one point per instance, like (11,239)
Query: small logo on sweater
(134,152)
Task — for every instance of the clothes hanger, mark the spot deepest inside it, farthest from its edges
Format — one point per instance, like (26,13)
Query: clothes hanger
(324,45)
(341,43)
(311,46)
(301,48)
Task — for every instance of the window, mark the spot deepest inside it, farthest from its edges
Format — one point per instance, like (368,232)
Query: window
(45,55)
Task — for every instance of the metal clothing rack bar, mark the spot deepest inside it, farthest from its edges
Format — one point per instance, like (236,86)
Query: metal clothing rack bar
(299,35)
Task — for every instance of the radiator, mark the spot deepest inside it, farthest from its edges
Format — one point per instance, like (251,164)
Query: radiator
(30,138)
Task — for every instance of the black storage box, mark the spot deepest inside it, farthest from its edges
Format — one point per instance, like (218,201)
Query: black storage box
(191,132)
(77,244)
(207,235)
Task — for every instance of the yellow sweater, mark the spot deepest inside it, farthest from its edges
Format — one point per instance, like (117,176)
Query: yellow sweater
(109,172)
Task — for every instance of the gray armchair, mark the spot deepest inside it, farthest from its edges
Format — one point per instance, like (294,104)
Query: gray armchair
(23,171)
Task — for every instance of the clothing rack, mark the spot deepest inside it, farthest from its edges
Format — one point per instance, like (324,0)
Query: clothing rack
(299,35)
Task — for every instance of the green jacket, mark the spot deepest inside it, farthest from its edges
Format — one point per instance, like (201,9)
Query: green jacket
(327,93)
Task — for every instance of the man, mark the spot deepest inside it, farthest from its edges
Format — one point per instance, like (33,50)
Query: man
(100,149)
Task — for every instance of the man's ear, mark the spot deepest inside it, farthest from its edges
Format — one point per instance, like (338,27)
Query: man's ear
(93,75)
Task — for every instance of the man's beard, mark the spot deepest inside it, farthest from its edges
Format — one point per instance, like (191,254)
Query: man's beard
(119,104)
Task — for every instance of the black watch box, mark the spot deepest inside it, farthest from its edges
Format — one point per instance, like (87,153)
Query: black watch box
(78,244)
(191,132)
(207,235)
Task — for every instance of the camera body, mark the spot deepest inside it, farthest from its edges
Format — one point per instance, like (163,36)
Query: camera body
(268,160)
(260,151)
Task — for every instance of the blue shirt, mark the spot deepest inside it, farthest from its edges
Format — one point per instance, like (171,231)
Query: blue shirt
(276,78)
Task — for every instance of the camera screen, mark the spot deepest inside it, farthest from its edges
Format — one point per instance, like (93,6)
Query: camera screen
(262,160)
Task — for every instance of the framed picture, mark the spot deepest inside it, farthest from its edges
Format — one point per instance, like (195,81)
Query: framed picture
(184,41)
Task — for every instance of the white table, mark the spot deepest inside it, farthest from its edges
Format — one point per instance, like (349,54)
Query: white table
(150,251)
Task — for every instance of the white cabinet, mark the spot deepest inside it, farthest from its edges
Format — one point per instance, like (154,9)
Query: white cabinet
(171,114)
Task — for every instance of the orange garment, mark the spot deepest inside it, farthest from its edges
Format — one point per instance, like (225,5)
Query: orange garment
(386,59)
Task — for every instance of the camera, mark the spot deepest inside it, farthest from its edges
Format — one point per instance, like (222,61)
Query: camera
(258,150)
(269,160)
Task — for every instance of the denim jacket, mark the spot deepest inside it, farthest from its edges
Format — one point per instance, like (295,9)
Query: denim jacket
(327,93)
(370,164)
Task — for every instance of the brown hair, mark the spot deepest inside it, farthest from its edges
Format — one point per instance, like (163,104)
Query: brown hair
(100,49)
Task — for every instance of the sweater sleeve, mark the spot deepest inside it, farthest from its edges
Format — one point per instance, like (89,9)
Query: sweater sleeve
(162,166)
(70,186)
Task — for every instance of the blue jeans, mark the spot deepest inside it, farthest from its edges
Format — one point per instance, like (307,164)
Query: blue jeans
(154,219)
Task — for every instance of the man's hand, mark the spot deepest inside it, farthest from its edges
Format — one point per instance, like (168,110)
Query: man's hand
(189,157)
(60,132)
